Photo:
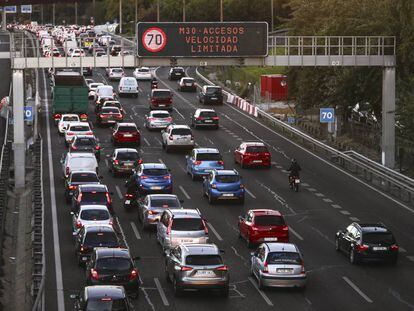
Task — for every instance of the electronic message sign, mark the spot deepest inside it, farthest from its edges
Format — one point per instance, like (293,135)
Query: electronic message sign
(220,39)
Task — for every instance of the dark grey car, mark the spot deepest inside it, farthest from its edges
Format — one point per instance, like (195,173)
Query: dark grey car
(153,205)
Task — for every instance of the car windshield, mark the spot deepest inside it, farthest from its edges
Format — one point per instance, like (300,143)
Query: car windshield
(112,104)
(227,178)
(71,118)
(161,94)
(127,129)
(94,214)
(182,131)
(106,238)
(106,305)
(187,224)
(165,202)
(256,149)
(203,260)
(269,220)
(84,177)
(110,110)
(213,90)
(160,115)
(283,258)
(208,157)
(155,171)
(378,237)
(114,264)
(94,197)
(130,82)
(79,128)
(127,156)
(85,142)
(208,114)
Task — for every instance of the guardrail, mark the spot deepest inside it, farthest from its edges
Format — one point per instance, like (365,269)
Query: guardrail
(396,184)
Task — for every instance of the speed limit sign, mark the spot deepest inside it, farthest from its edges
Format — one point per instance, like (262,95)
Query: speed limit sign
(154,39)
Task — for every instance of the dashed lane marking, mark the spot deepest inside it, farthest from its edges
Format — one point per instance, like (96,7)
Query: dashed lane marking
(135,229)
(345,212)
(312,189)
(180,114)
(161,161)
(161,292)
(295,233)
(354,218)
(106,163)
(402,250)
(411,258)
(319,194)
(118,191)
(147,142)
(305,184)
(158,141)
(215,232)
(264,296)
(250,193)
(336,206)
(184,192)
(357,289)
(327,200)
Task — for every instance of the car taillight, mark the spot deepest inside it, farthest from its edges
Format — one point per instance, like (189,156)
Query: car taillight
(89,133)
(73,147)
(72,187)
(394,247)
(67,170)
(265,267)
(266,154)
(151,119)
(199,118)
(128,195)
(170,137)
(169,119)
(222,268)
(168,177)
(205,227)
(108,198)
(285,228)
(302,271)
(57,116)
(97,147)
(144,177)
(215,118)
(133,275)
(70,133)
(116,162)
(139,161)
(83,116)
(185,268)
(214,186)
(220,162)
(152,212)
(83,249)
(362,248)
(94,274)
(78,224)
(197,162)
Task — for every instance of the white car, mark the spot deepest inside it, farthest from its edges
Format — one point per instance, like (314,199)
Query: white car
(92,90)
(77,53)
(158,119)
(79,161)
(65,120)
(128,86)
(115,73)
(179,136)
(103,93)
(77,128)
(142,73)
(90,215)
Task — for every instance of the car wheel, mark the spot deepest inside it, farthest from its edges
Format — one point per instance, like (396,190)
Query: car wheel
(241,163)
(210,199)
(177,289)
(352,257)
(336,244)
(260,283)
(167,275)
(225,292)
(248,243)
(193,177)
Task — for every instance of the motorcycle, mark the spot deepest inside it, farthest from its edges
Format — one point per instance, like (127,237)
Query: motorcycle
(129,201)
(154,85)
(294,183)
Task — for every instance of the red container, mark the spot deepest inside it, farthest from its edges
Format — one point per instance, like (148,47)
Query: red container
(275,85)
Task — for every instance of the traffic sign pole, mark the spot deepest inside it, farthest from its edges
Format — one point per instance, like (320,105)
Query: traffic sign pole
(18,129)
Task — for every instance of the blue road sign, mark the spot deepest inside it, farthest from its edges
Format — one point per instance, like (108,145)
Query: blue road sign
(291,120)
(26,8)
(326,115)
(28,113)
(10,9)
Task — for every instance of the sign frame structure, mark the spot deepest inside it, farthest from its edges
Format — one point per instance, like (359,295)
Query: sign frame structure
(26,9)
(201,39)
(28,113)
(326,115)
(10,9)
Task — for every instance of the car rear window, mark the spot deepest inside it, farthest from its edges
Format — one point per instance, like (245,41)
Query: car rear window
(161,115)
(106,305)
(73,118)
(208,157)
(203,260)
(183,131)
(127,156)
(94,214)
(84,177)
(283,258)
(112,104)
(155,171)
(116,48)
(213,90)
(269,220)
(208,114)
(256,149)
(188,80)
(110,110)
(130,82)
(85,142)
(114,264)
(93,196)
(79,128)
(161,94)
(106,238)
(127,129)
(178,70)
(143,70)
(105,92)
(165,202)
(187,224)
(227,178)
(378,237)
(79,163)
(117,70)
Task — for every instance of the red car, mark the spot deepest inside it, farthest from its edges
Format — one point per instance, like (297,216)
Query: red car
(161,99)
(263,225)
(252,154)
(109,115)
(126,133)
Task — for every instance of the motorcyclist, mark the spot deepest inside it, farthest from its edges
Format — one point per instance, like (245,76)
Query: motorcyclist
(154,83)
(294,170)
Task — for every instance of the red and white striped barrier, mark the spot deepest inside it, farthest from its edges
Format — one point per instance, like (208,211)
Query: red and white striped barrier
(242,104)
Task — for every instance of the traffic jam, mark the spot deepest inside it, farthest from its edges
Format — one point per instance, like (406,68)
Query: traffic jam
(103,122)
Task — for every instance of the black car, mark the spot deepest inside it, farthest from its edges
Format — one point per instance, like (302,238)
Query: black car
(211,95)
(205,118)
(91,236)
(91,194)
(79,178)
(176,73)
(102,297)
(124,161)
(367,242)
(113,266)
(86,143)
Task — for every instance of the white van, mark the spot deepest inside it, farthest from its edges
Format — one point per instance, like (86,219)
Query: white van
(128,86)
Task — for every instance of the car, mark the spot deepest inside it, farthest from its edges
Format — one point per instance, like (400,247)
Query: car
(177,136)
(91,194)
(176,73)
(90,215)
(151,178)
(77,178)
(113,266)
(367,242)
(102,297)
(205,118)
(124,160)
(108,116)
(115,73)
(211,94)
(76,128)
(142,73)
(91,236)
(202,161)
(126,133)
(86,143)
(65,120)
(158,119)
(128,86)
(92,90)
(89,82)
(114,103)
(77,53)
(151,207)
(87,71)
(100,53)
(187,84)
(161,99)
(197,266)
(115,49)
(278,265)
(263,225)
(102,94)
(223,185)
(178,226)
(93,47)
(250,154)
(80,161)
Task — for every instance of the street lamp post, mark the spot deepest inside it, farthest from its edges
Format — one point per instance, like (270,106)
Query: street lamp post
(271,14)
(221,10)
(136,13)
(183,10)
(120,16)
(158,10)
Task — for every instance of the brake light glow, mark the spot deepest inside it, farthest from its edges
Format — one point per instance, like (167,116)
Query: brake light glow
(302,271)
(185,268)
(199,118)
(94,275)
(116,162)
(205,227)
(72,187)
(144,177)
(83,116)
(394,247)
(167,177)
(83,249)
(285,228)
(78,224)
(362,248)
(220,162)
(133,275)
(108,198)
(128,195)
(140,161)
(74,148)
(69,133)
(215,118)
(97,147)
(57,116)
(197,162)
(67,170)
(223,268)
(265,267)
(152,212)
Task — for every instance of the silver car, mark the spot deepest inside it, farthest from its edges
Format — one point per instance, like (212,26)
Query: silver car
(177,136)
(180,226)
(152,206)
(197,266)
(278,265)
(158,119)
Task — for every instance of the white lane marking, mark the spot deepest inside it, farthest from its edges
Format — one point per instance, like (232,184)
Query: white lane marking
(401,249)
(184,192)
(357,289)
(336,206)
(106,163)
(147,142)
(161,291)
(295,233)
(250,193)
(181,115)
(354,218)
(305,184)
(118,191)
(147,298)
(327,200)
(312,189)
(319,194)
(215,232)
(264,296)
(411,258)
(345,212)
(55,223)
(135,229)
(161,161)
(158,140)
(238,138)
(131,117)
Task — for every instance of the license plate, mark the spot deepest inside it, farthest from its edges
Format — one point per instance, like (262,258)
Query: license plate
(257,161)
(270,239)
(186,240)
(379,248)
(128,135)
(128,164)
(228,194)
(286,271)
(161,105)
(127,202)
(205,273)
(84,258)
(297,181)
(209,121)
(156,188)
(214,98)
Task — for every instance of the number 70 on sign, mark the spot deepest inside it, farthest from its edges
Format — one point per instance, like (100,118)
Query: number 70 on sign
(327,115)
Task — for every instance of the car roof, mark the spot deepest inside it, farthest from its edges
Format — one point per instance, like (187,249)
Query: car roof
(373,227)
(226,172)
(121,150)
(80,155)
(200,249)
(185,212)
(109,108)
(179,126)
(253,143)
(102,291)
(177,68)
(126,124)
(161,90)
(93,187)
(159,111)
(93,207)
(154,165)
(78,123)
(83,172)
(206,150)
(162,195)
(261,212)
(212,86)
(104,252)
(281,247)
(85,136)
(69,115)
(205,110)
(143,68)
(99,228)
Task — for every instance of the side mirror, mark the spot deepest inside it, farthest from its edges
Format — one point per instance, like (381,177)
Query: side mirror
(181,201)
(241,218)
(222,251)
(72,213)
(74,296)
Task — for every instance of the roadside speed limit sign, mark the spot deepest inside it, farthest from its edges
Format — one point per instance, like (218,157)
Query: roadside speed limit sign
(154,39)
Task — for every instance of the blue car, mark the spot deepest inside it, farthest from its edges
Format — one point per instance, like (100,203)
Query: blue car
(223,185)
(202,161)
(153,178)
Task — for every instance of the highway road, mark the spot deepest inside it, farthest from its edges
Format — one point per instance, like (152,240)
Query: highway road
(329,200)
